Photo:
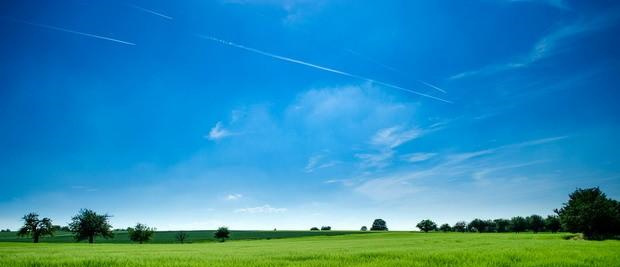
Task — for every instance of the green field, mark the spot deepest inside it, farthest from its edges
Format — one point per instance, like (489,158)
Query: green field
(377,249)
(169,236)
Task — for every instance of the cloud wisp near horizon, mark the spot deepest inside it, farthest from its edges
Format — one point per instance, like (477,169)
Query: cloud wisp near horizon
(188,131)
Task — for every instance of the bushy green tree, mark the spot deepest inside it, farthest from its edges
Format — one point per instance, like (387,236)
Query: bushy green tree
(460,226)
(552,223)
(87,224)
(181,236)
(379,225)
(427,225)
(364,228)
(35,227)
(222,233)
(314,229)
(445,227)
(326,228)
(536,223)
(590,212)
(141,233)
(518,224)
(501,225)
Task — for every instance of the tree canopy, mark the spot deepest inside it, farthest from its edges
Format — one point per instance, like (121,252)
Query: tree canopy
(379,225)
(427,225)
(141,233)
(590,212)
(222,233)
(87,224)
(35,227)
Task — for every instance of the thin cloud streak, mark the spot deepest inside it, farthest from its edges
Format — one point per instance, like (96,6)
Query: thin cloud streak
(72,31)
(149,11)
(320,67)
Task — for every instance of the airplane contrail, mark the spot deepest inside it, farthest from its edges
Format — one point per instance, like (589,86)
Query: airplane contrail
(71,31)
(432,86)
(373,61)
(149,11)
(292,60)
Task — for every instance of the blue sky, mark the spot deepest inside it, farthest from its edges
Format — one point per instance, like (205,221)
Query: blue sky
(290,114)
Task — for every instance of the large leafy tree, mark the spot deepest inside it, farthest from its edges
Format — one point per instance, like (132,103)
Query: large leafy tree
(590,212)
(536,223)
(35,227)
(87,224)
(141,233)
(379,225)
(427,225)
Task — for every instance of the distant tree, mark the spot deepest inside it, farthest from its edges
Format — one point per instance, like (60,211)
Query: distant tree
(518,224)
(379,225)
(445,227)
(501,225)
(181,236)
(490,226)
(427,225)
(87,224)
(326,228)
(477,225)
(222,233)
(536,223)
(5,230)
(141,233)
(364,228)
(590,212)
(35,227)
(314,229)
(460,226)
(65,229)
(553,224)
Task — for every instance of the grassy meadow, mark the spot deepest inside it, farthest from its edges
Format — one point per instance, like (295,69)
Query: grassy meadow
(377,249)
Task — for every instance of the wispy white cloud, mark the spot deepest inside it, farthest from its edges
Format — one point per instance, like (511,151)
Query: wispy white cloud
(418,157)
(261,209)
(546,46)
(394,136)
(234,196)
(316,162)
(218,132)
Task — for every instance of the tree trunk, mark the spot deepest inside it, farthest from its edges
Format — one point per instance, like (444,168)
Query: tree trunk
(91,239)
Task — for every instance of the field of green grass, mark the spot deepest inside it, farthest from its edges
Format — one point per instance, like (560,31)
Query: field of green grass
(377,249)
(169,236)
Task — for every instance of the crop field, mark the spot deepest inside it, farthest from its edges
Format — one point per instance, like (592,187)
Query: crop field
(170,236)
(376,249)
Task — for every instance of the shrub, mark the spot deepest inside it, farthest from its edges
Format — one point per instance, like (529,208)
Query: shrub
(364,228)
(141,233)
(326,228)
(314,229)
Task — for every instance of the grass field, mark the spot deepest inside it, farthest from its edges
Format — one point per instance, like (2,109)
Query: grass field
(378,249)
(169,236)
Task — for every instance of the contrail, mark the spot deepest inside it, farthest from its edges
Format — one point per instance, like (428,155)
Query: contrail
(432,86)
(319,67)
(373,61)
(149,11)
(71,31)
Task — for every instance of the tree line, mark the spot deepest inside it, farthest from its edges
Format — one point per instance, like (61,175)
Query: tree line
(87,225)
(588,211)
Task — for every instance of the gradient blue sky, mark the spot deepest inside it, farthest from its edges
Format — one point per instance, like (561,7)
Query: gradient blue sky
(292,114)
